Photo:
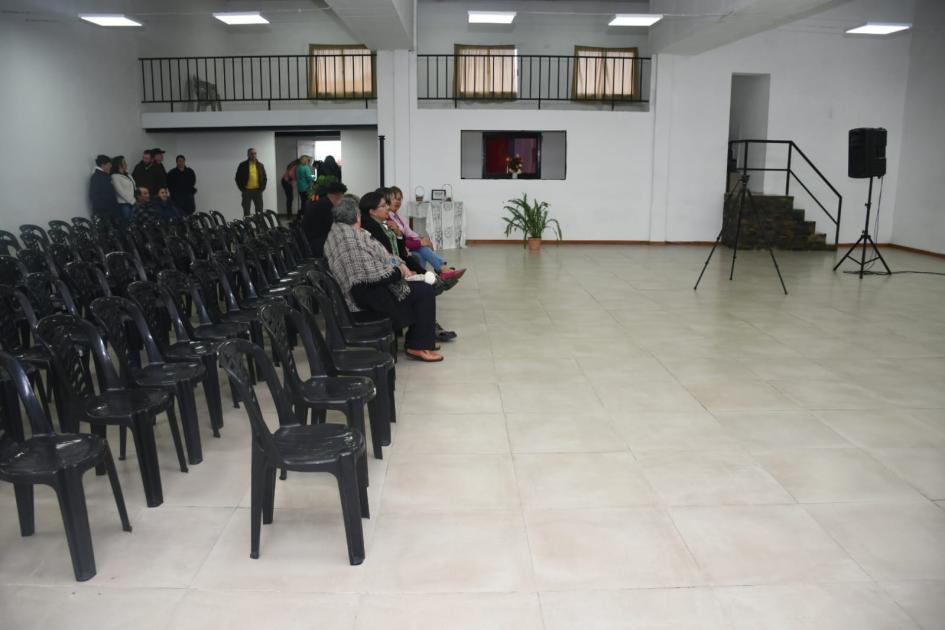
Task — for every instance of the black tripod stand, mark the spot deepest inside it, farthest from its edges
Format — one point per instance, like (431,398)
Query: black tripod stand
(865,239)
(741,186)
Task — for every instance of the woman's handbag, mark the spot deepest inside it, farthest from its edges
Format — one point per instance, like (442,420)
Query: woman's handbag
(413,243)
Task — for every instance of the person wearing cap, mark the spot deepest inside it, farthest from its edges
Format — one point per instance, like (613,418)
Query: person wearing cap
(317,217)
(157,173)
(101,192)
(251,180)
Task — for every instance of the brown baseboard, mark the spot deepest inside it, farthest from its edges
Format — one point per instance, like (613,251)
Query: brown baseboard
(486,241)
(915,250)
(840,246)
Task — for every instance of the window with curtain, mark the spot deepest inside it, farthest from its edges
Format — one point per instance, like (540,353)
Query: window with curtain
(485,72)
(603,74)
(340,72)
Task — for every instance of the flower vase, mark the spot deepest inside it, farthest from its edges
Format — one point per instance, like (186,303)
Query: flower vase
(514,175)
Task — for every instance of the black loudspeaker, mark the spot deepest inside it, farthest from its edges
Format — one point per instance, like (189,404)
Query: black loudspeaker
(867,153)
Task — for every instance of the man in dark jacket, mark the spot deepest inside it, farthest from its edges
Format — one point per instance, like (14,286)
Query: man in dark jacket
(317,218)
(142,171)
(157,172)
(181,181)
(101,192)
(251,180)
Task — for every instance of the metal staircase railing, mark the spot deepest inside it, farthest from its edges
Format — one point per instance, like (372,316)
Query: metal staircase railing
(788,175)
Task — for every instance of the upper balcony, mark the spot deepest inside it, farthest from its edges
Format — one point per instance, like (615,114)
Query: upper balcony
(319,89)
(499,77)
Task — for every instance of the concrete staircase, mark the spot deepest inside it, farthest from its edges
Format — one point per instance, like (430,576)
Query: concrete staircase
(782,223)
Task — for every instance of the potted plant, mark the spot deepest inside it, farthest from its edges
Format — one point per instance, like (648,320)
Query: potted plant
(531,218)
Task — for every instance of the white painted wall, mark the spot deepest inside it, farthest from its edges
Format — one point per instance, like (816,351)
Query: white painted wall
(606,195)
(920,202)
(214,156)
(360,168)
(822,85)
(68,94)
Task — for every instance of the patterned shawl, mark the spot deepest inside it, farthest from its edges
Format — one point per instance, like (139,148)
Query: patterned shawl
(354,258)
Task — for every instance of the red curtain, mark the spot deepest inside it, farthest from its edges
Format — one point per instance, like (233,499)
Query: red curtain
(497,149)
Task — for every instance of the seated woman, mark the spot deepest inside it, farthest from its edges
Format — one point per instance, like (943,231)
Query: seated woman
(372,279)
(420,246)
(374,219)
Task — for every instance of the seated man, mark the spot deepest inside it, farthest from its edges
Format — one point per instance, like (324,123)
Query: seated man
(143,211)
(164,207)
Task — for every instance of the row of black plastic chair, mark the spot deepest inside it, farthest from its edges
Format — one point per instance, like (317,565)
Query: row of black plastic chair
(278,292)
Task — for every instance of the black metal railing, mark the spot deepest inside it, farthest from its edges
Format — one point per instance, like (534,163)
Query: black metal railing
(207,82)
(740,164)
(543,78)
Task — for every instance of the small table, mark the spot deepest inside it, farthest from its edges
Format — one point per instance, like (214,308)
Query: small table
(445,222)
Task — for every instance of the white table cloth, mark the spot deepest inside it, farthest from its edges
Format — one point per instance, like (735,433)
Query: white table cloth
(444,222)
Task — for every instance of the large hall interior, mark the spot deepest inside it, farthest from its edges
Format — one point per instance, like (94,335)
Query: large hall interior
(472,315)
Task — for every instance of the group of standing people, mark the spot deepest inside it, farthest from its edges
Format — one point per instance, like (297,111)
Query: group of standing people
(300,177)
(148,190)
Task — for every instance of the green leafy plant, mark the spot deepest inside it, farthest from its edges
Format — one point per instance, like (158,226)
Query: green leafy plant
(321,182)
(529,217)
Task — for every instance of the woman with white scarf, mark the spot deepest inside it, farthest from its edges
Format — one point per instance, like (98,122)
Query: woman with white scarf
(374,280)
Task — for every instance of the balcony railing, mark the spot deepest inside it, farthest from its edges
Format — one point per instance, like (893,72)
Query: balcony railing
(208,82)
(609,81)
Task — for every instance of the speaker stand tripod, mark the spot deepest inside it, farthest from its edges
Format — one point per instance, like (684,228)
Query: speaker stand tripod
(866,240)
(741,186)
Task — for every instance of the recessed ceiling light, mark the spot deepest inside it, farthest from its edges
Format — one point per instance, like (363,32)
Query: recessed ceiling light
(109,20)
(235,19)
(879,28)
(635,19)
(491,17)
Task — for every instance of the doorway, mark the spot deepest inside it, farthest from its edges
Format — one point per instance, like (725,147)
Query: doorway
(748,120)
(290,145)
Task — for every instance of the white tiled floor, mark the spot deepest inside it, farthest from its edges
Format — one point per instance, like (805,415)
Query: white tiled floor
(603,449)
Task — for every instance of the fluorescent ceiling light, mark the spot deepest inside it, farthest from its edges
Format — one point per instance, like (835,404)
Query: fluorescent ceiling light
(491,17)
(635,19)
(879,28)
(109,20)
(241,18)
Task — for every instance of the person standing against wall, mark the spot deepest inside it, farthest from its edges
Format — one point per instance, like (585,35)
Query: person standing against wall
(142,171)
(251,180)
(124,186)
(182,182)
(288,186)
(304,179)
(158,174)
(101,192)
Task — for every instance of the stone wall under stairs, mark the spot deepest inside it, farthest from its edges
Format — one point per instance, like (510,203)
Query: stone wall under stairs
(782,223)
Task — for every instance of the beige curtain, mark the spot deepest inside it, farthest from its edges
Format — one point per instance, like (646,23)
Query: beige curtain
(486,72)
(604,73)
(340,72)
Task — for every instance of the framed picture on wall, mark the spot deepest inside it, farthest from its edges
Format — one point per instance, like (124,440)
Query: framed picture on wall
(438,194)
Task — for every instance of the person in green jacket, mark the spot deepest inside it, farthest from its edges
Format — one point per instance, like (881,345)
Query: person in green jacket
(304,180)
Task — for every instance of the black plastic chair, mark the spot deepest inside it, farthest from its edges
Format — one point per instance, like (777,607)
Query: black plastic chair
(117,404)
(331,448)
(115,315)
(324,390)
(14,308)
(87,283)
(372,364)
(363,320)
(59,224)
(121,269)
(9,243)
(339,335)
(12,271)
(59,461)
(162,316)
